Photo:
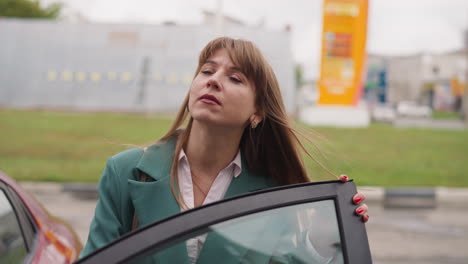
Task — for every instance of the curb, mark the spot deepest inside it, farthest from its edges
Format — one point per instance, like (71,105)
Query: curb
(403,197)
(446,124)
(417,197)
(85,191)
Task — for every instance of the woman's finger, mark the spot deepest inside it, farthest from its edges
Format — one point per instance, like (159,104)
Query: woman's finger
(344,178)
(365,218)
(358,198)
(362,210)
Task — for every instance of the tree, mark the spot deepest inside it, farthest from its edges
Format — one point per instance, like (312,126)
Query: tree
(29,9)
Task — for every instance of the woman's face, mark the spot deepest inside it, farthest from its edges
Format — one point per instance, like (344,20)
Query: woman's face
(221,94)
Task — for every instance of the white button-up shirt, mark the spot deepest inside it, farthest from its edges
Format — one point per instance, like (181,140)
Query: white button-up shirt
(217,191)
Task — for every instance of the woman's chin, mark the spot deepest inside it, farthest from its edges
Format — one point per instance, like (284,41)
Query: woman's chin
(215,123)
(206,119)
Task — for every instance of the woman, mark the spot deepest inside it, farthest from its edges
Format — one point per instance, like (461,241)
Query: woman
(237,139)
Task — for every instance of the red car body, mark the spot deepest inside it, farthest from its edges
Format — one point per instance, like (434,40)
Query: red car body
(56,242)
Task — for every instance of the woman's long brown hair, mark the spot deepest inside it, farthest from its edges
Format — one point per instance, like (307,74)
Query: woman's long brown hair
(272,149)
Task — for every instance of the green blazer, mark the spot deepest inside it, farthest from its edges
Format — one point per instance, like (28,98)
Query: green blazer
(121,194)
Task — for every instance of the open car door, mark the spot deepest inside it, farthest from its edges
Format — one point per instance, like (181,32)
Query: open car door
(302,223)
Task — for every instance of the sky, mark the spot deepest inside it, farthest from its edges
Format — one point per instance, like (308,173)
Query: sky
(395,27)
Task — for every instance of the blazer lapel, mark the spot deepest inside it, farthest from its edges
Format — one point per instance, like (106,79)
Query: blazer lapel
(154,200)
(246,182)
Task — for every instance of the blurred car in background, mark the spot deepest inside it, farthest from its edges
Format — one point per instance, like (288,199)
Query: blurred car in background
(383,113)
(28,233)
(412,109)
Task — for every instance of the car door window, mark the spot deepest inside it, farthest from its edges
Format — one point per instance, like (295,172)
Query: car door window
(303,233)
(303,223)
(12,246)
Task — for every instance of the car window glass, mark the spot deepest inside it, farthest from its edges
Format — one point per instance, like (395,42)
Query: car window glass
(12,247)
(303,233)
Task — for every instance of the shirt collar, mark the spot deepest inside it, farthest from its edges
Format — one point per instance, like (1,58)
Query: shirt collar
(182,156)
(236,163)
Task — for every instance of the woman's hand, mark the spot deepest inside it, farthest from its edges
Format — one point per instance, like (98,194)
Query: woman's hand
(358,199)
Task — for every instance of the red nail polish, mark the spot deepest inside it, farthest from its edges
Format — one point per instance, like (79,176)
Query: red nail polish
(344,177)
(358,199)
(359,211)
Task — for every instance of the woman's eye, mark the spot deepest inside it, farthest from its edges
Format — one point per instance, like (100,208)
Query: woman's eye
(235,79)
(206,72)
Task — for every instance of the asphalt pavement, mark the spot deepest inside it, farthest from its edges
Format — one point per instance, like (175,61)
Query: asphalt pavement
(422,225)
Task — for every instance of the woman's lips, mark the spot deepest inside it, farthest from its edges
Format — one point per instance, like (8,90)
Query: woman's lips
(210,99)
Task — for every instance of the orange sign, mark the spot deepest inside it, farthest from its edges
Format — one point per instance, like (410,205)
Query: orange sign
(343,51)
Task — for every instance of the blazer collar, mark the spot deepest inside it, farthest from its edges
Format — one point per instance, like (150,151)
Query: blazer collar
(156,162)
(157,159)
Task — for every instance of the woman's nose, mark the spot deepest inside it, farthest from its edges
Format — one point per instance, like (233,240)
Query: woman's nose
(213,82)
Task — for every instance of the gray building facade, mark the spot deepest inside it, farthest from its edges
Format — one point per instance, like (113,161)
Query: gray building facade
(123,67)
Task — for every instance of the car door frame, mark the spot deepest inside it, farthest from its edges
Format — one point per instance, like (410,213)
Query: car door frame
(24,220)
(177,228)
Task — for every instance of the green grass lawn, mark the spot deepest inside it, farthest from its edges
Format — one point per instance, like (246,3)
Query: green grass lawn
(445,115)
(70,146)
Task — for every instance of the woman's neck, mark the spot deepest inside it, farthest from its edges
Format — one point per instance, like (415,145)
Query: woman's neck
(210,149)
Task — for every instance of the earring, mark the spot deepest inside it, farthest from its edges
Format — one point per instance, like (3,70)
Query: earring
(254,124)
